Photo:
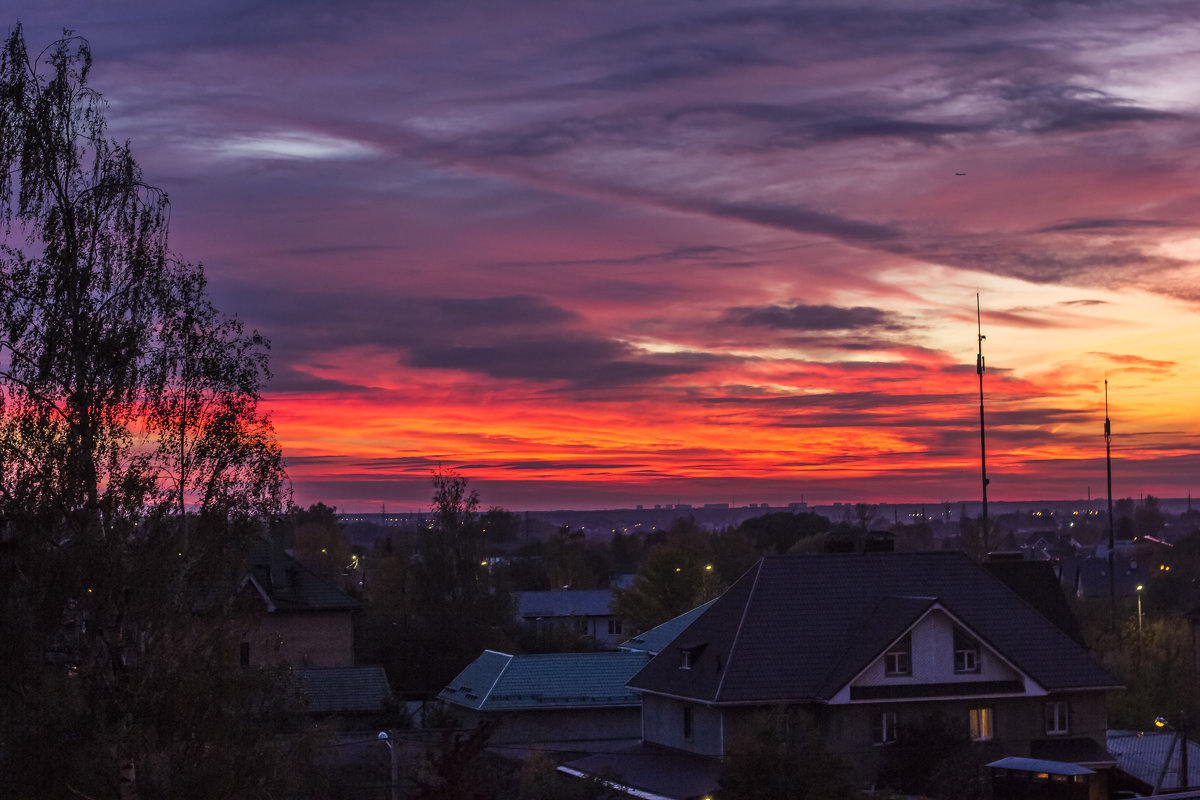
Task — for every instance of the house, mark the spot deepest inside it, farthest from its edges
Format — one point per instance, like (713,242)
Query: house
(584,613)
(306,622)
(564,699)
(869,643)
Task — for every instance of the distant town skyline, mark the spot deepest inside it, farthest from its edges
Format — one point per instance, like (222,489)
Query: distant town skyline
(601,254)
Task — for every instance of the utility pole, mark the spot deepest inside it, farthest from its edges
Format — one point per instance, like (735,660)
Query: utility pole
(1112,542)
(983,520)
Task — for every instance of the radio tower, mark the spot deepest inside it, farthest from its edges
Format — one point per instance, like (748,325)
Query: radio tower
(1112,580)
(983,520)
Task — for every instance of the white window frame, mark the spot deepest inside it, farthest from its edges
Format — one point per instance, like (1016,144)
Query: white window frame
(884,731)
(966,654)
(897,661)
(1058,718)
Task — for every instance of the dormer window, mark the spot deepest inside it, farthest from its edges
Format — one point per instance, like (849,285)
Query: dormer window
(897,661)
(966,653)
(689,653)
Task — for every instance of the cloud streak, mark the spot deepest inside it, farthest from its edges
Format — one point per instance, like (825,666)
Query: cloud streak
(625,250)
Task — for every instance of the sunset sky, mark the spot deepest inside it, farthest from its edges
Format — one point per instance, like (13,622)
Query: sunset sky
(597,254)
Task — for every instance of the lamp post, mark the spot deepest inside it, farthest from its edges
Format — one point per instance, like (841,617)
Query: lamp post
(1181,731)
(1139,598)
(395,754)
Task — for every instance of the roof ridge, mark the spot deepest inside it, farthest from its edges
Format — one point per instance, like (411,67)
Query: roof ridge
(738,633)
(499,675)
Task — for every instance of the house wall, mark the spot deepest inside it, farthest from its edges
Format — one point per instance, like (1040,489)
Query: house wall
(933,659)
(593,627)
(1018,721)
(303,639)
(556,725)
(663,724)
(848,729)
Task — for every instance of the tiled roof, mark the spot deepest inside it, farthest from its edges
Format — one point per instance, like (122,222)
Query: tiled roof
(1142,755)
(302,590)
(652,771)
(656,639)
(498,681)
(1037,584)
(576,602)
(344,689)
(801,627)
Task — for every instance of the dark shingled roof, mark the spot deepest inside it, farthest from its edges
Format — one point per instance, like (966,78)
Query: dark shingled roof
(344,690)
(1037,583)
(302,590)
(802,627)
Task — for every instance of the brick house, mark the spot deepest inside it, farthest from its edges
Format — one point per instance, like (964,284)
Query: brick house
(307,623)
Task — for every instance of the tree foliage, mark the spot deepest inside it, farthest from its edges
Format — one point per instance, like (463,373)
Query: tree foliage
(780,754)
(134,462)
(685,568)
(780,530)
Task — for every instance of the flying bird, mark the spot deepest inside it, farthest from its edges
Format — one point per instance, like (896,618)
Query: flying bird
(960,174)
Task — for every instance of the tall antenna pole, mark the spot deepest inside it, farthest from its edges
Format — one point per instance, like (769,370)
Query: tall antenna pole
(983,520)
(1112,579)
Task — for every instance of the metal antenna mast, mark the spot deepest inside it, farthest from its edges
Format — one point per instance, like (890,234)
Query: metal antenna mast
(983,520)
(1112,580)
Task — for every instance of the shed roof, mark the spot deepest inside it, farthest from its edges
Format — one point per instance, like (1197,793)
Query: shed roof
(341,690)
(499,681)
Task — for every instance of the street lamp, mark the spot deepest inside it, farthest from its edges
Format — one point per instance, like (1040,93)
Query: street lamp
(1181,731)
(395,753)
(1139,597)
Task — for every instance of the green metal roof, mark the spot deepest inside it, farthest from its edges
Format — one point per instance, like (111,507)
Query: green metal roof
(498,681)
(658,638)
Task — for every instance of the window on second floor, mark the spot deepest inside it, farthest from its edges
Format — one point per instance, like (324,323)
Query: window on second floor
(1056,718)
(688,724)
(685,659)
(966,653)
(614,627)
(982,724)
(883,728)
(898,659)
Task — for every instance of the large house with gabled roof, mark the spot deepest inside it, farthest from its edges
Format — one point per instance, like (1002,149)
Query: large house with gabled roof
(868,643)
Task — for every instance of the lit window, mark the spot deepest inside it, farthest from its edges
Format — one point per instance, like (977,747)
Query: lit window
(884,728)
(981,724)
(1056,717)
(898,660)
(966,653)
